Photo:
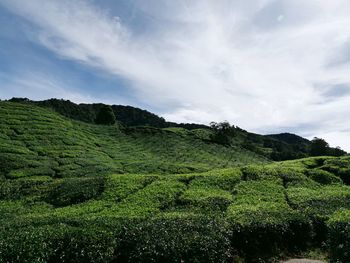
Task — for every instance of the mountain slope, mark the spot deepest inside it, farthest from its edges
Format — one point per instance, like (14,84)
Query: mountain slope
(39,141)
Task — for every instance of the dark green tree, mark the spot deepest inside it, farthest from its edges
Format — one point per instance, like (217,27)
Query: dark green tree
(319,147)
(223,132)
(105,116)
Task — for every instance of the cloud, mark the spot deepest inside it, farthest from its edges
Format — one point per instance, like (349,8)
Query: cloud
(258,64)
(39,86)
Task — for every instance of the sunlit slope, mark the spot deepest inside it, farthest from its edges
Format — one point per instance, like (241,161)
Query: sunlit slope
(35,141)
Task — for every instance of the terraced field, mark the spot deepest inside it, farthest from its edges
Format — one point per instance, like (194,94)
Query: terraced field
(39,142)
(77,192)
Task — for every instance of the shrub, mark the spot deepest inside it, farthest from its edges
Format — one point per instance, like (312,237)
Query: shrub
(119,186)
(76,190)
(258,173)
(207,198)
(264,230)
(24,187)
(339,236)
(262,222)
(318,204)
(105,116)
(56,243)
(323,177)
(176,237)
(225,179)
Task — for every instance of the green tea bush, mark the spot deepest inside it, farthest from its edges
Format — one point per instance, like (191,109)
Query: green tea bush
(225,179)
(258,173)
(207,198)
(24,188)
(150,200)
(318,204)
(176,237)
(340,167)
(262,223)
(339,236)
(119,186)
(323,177)
(76,190)
(56,243)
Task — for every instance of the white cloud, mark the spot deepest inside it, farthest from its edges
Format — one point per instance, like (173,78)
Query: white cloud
(256,63)
(39,86)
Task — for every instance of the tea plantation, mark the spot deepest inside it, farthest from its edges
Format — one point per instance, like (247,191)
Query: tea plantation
(77,192)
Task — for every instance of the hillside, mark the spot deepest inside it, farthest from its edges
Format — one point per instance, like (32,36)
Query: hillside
(75,191)
(36,141)
(276,147)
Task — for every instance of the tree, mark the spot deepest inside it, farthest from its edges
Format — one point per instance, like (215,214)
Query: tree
(223,132)
(337,151)
(105,116)
(319,147)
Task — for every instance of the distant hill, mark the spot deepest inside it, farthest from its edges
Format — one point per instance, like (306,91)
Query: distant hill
(278,147)
(127,115)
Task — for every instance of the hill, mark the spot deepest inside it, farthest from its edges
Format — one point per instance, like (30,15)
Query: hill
(38,141)
(75,191)
(276,147)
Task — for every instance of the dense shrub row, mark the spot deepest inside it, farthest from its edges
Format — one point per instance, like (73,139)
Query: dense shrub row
(262,222)
(256,213)
(339,236)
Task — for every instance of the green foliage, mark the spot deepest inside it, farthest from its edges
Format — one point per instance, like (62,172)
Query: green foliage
(340,167)
(319,147)
(262,222)
(56,243)
(339,236)
(319,202)
(176,237)
(76,190)
(105,116)
(323,177)
(35,141)
(207,198)
(119,186)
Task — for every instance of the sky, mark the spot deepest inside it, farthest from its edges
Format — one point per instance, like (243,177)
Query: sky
(267,66)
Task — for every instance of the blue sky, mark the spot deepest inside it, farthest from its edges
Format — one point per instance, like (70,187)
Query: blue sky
(268,66)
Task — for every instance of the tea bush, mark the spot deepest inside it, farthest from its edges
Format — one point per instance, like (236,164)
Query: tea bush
(339,236)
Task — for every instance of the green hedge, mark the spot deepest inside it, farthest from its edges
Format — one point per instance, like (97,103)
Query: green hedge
(262,222)
(339,236)
(56,243)
(119,186)
(76,190)
(210,199)
(34,188)
(323,177)
(176,237)
(318,204)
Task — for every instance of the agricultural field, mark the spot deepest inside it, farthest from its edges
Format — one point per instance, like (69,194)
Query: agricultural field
(39,142)
(77,192)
